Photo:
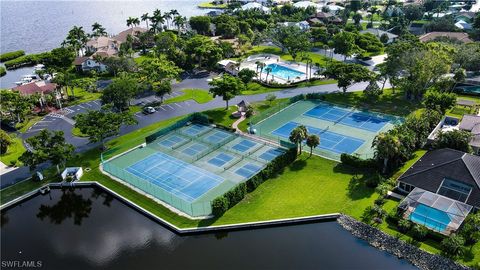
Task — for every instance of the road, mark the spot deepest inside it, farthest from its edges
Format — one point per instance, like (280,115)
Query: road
(65,122)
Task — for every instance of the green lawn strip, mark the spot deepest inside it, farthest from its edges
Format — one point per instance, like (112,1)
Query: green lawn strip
(199,95)
(389,102)
(212,5)
(256,88)
(459,111)
(23,187)
(29,122)
(76,132)
(15,150)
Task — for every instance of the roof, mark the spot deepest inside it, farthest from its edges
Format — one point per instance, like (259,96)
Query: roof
(463,37)
(429,172)
(322,15)
(80,60)
(36,87)
(306,4)
(469,121)
(378,33)
(100,42)
(122,36)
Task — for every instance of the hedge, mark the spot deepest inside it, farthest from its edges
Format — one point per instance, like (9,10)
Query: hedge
(29,59)
(11,55)
(3,71)
(357,162)
(226,201)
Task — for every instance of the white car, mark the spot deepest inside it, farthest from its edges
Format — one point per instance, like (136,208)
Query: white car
(149,110)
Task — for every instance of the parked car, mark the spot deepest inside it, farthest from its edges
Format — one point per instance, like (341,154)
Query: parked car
(149,110)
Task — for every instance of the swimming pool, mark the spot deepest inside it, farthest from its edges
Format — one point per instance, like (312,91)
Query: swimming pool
(284,72)
(430,217)
(472,90)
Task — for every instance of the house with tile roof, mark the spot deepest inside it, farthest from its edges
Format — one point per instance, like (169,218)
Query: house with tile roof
(460,36)
(38,87)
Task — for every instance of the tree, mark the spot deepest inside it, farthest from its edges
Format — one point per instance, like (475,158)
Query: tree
(98,30)
(117,65)
(471,229)
(132,21)
(158,73)
(5,142)
(203,50)
(76,38)
(226,87)
(413,12)
(453,245)
(47,146)
(270,98)
(157,21)
(60,59)
(372,90)
(347,74)
(440,101)
(459,76)
(357,17)
(145,18)
(384,38)
(180,22)
(344,43)
(14,104)
(291,38)
(246,75)
(162,88)
(313,141)
(99,125)
(297,136)
(386,146)
(64,79)
(454,139)
(120,92)
(201,24)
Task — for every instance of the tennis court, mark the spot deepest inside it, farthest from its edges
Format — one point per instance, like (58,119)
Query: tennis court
(341,129)
(360,120)
(328,140)
(189,166)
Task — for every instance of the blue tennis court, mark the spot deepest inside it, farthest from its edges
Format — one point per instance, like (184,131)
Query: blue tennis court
(194,149)
(360,120)
(195,130)
(217,137)
(270,154)
(328,140)
(172,141)
(175,176)
(248,170)
(220,160)
(244,146)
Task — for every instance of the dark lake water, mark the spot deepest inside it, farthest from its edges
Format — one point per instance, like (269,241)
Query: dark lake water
(89,229)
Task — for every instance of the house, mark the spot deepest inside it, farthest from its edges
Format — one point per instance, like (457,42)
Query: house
(446,172)
(254,5)
(229,66)
(87,63)
(471,123)
(462,37)
(134,31)
(104,46)
(378,33)
(38,87)
(307,4)
(303,25)
(443,187)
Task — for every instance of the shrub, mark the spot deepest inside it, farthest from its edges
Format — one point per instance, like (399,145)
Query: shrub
(29,59)
(453,246)
(357,162)
(219,206)
(3,71)
(11,55)
(246,75)
(419,232)
(380,201)
(393,217)
(374,181)
(404,225)
(471,229)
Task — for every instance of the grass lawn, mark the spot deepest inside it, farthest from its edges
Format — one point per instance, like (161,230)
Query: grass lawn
(14,151)
(256,88)
(199,95)
(459,111)
(316,58)
(81,96)
(212,5)
(27,123)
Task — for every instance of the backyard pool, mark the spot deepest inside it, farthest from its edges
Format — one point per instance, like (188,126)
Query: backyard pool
(284,72)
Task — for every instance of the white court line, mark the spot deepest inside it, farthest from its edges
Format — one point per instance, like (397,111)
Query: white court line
(168,105)
(161,107)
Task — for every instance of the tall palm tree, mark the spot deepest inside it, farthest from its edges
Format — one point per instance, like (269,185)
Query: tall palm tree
(157,20)
(180,22)
(76,38)
(313,141)
(145,18)
(132,21)
(262,66)
(386,146)
(98,30)
(167,17)
(297,135)
(268,70)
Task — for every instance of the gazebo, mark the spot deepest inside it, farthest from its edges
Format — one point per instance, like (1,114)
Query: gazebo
(242,108)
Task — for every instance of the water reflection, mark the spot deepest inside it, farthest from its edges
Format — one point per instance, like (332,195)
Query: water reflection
(106,234)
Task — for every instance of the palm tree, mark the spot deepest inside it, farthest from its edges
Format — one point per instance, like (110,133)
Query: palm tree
(297,135)
(180,22)
(268,70)
(98,30)
(386,146)
(373,10)
(76,38)
(132,21)
(145,18)
(167,17)
(172,14)
(262,66)
(313,141)
(157,20)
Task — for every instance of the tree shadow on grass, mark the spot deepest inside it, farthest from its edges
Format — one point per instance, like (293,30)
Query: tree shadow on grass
(298,164)
(357,189)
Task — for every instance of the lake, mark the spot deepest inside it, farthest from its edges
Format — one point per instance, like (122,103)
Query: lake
(89,229)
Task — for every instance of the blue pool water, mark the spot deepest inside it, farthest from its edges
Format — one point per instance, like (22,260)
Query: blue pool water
(284,72)
(430,217)
(361,120)
(175,176)
(331,141)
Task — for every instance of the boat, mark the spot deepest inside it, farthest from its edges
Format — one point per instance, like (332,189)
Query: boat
(39,67)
